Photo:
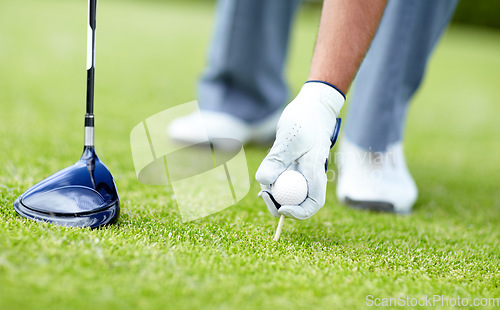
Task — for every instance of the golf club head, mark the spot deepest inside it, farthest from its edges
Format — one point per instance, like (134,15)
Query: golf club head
(82,195)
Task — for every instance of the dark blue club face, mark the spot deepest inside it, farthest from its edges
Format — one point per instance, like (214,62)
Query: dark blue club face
(91,220)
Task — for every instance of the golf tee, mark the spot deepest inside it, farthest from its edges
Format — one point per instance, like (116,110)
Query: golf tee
(280,228)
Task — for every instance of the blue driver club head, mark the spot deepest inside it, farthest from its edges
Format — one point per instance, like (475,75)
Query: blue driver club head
(82,195)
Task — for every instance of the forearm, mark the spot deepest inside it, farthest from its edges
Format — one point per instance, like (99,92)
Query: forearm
(346,29)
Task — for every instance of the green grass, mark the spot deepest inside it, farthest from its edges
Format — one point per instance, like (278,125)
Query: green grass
(149,55)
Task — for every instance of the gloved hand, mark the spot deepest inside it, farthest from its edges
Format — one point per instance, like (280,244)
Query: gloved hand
(303,141)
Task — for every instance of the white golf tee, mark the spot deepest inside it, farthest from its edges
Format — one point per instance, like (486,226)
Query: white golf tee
(280,228)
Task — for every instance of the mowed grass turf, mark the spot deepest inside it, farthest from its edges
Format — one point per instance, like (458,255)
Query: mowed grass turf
(149,55)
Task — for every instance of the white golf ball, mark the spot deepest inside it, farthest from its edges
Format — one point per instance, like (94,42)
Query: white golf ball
(290,188)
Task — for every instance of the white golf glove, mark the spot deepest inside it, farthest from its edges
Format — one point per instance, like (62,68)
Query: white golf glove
(304,137)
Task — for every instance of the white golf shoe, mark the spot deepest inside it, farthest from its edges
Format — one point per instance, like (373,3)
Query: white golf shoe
(378,181)
(222,128)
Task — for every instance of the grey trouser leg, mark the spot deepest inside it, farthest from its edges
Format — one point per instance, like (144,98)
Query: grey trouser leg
(244,76)
(393,69)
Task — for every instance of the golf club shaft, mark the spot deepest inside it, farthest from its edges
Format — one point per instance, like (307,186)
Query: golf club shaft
(89,115)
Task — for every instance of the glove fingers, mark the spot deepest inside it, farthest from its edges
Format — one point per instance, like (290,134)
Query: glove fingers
(270,168)
(302,212)
(266,196)
(316,178)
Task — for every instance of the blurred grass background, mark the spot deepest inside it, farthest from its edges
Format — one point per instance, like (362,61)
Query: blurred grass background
(149,55)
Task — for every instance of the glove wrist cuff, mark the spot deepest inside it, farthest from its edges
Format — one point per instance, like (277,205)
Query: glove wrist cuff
(326,83)
(326,93)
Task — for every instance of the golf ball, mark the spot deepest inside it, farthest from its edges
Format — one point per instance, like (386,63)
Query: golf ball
(290,188)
